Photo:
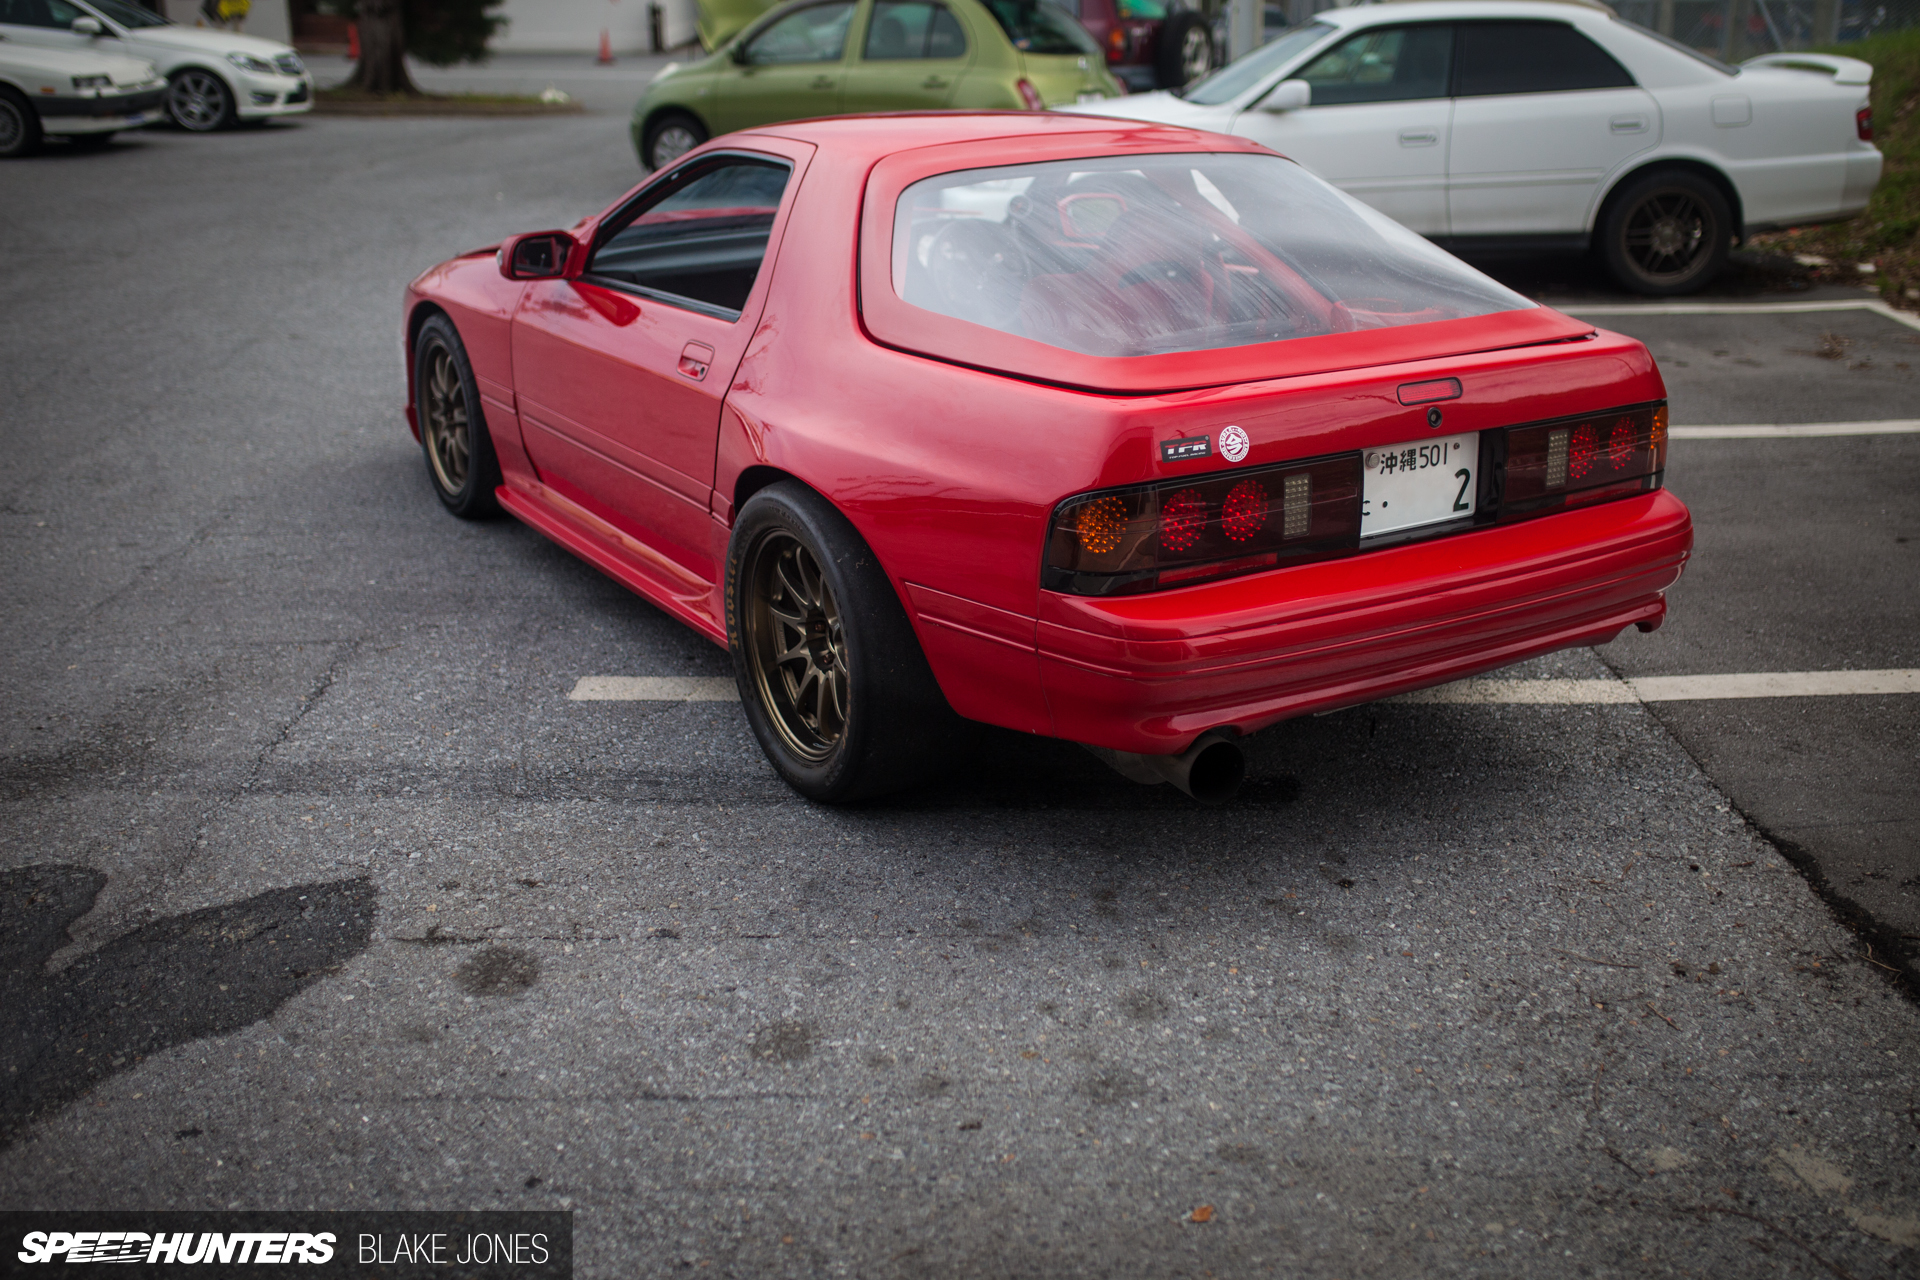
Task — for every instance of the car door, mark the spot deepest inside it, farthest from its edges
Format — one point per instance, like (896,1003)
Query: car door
(792,70)
(47,24)
(1378,122)
(620,372)
(1542,115)
(913,54)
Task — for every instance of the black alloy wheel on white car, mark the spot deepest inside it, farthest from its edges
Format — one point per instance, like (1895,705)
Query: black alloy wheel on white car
(19,125)
(199,100)
(1665,233)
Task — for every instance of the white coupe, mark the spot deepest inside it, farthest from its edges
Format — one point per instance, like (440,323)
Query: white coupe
(214,78)
(1507,124)
(86,97)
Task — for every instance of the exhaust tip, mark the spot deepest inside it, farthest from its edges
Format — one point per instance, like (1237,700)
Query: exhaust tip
(1216,772)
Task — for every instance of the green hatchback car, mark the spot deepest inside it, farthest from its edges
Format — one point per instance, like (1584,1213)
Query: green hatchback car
(835,57)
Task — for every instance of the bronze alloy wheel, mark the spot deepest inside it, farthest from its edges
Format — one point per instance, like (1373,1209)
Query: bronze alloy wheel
(443,420)
(796,646)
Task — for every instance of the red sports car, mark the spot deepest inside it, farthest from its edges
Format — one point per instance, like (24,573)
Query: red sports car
(1130,435)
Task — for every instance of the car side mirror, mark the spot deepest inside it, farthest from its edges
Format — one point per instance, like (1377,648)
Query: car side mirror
(537,255)
(87,26)
(1288,95)
(740,56)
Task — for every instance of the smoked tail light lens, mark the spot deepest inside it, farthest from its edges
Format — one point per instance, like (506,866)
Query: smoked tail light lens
(1030,95)
(1116,45)
(1863,123)
(1180,532)
(1576,461)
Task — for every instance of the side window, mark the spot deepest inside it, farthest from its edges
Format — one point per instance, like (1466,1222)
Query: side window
(38,13)
(817,33)
(1392,64)
(1532,57)
(913,29)
(698,244)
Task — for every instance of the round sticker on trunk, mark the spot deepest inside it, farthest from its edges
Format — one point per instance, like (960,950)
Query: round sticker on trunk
(1234,443)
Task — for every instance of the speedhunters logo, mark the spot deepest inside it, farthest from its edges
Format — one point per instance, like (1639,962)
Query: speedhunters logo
(401,1246)
(257,1247)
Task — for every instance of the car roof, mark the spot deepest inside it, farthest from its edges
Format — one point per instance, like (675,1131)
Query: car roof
(1431,10)
(884,134)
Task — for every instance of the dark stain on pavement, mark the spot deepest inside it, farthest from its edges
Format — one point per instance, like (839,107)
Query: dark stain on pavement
(498,971)
(1143,1006)
(203,973)
(785,1041)
(1108,1088)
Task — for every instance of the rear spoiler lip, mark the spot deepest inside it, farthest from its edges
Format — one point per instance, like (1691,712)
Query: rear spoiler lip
(1843,70)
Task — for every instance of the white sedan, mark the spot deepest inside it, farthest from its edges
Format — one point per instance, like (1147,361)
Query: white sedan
(1501,125)
(87,97)
(214,77)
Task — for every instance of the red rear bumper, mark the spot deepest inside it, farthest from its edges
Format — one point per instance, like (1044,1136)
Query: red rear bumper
(1149,673)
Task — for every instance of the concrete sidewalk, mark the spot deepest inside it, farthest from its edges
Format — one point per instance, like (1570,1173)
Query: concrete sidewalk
(613,88)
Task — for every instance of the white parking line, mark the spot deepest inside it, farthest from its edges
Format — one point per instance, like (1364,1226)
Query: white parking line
(654,689)
(1740,309)
(1755,684)
(1798,430)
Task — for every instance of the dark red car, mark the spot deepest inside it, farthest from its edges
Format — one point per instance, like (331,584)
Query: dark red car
(1130,435)
(1150,44)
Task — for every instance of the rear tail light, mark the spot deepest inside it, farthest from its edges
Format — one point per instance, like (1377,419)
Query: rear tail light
(1863,123)
(1029,95)
(1580,460)
(1176,533)
(1116,44)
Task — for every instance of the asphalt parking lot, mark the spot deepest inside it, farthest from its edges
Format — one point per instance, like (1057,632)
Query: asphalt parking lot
(1455,988)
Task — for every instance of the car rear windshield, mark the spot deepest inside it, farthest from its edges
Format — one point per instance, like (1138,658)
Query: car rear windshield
(1146,255)
(1036,26)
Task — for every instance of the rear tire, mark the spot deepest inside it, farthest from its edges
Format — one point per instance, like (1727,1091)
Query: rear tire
(1666,233)
(830,673)
(19,125)
(670,137)
(453,428)
(1186,50)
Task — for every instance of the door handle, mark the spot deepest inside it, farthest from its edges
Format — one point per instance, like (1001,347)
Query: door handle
(823,82)
(1628,124)
(1419,138)
(934,82)
(695,359)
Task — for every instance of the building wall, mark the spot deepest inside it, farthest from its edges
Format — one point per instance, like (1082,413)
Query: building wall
(267,19)
(574,26)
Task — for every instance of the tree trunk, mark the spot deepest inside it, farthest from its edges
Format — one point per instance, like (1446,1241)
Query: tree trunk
(383,46)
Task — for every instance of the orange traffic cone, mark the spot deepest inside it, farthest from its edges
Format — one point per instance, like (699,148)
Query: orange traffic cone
(606,47)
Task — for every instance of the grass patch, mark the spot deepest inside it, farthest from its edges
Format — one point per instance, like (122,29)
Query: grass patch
(349,101)
(1888,233)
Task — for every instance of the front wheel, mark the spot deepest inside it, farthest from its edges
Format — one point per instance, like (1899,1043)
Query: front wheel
(669,138)
(199,101)
(453,430)
(1666,233)
(832,678)
(19,125)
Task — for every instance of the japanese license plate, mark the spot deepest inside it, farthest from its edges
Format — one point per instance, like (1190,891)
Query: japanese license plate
(1419,482)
